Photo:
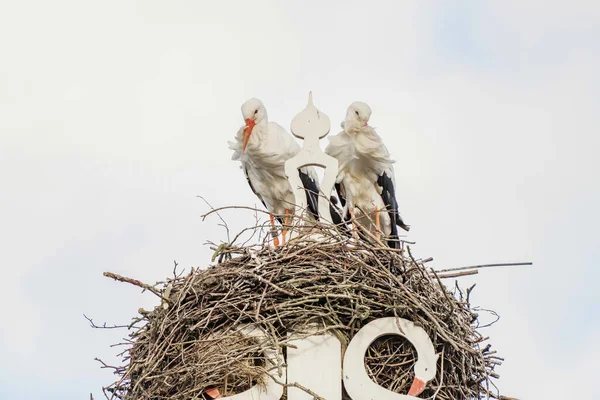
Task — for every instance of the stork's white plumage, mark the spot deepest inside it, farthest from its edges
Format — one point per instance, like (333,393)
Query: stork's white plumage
(365,175)
(263,147)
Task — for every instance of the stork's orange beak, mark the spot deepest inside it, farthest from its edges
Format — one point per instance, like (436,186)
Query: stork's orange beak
(417,387)
(247,131)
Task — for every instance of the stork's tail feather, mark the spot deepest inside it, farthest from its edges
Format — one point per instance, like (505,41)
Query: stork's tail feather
(336,216)
(404,226)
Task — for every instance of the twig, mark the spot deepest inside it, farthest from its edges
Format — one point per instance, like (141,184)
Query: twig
(224,224)
(203,216)
(457,274)
(443,289)
(135,282)
(93,325)
(485,266)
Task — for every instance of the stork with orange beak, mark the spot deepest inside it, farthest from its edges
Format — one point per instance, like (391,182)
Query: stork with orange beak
(263,147)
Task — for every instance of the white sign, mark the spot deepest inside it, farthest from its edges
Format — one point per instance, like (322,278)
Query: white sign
(315,364)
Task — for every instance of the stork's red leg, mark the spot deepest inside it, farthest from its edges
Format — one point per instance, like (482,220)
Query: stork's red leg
(378,233)
(286,222)
(275,236)
(354,228)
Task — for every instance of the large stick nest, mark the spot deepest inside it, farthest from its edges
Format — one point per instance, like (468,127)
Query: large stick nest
(189,342)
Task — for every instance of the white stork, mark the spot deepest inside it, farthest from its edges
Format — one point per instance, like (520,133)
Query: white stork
(263,147)
(365,177)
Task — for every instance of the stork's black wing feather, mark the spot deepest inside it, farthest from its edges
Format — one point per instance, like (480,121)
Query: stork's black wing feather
(257,195)
(312,199)
(338,189)
(312,193)
(336,213)
(388,194)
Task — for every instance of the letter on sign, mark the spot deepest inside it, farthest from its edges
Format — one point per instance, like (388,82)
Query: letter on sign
(356,380)
(315,363)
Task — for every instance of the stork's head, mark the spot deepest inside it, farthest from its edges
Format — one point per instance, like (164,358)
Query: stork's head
(423,373)
(357,117)
(254,113)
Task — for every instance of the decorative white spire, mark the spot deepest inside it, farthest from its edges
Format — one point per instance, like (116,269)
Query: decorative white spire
(312,125)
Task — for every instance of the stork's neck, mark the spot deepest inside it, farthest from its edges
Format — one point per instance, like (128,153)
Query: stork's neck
(262,125)
(258,138)
(261,130)
(351,131)
(353,126)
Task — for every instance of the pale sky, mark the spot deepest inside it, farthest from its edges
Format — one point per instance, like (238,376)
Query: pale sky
(115,115)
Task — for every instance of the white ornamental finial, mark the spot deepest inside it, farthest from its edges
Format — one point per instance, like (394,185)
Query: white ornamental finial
(312,125)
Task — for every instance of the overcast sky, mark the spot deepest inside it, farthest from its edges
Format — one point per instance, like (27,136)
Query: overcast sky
(115,115)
